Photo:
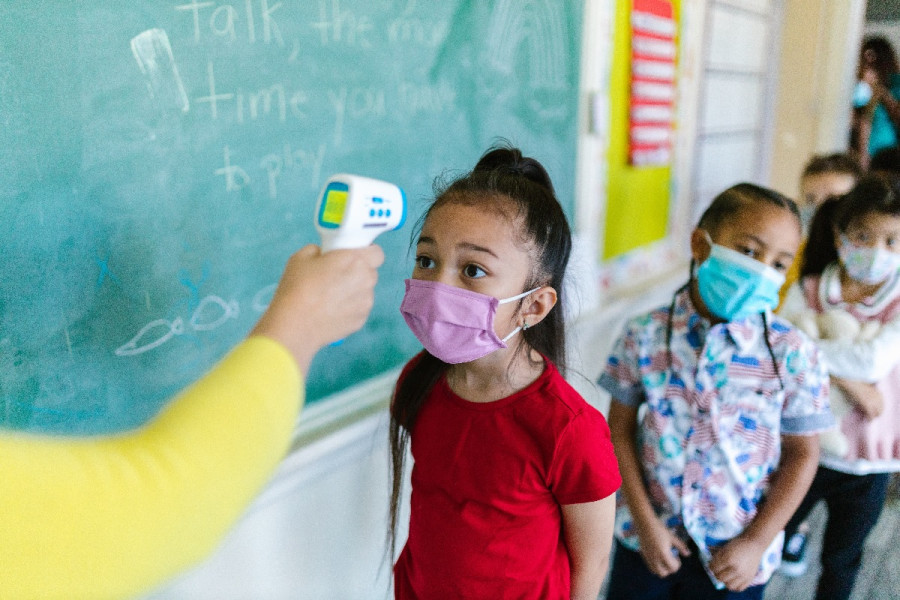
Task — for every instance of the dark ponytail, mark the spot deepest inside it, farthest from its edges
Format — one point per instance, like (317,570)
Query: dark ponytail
(821,249)
(874,193)
(502,178)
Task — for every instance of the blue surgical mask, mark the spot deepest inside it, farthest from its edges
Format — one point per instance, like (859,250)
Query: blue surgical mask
(734,286)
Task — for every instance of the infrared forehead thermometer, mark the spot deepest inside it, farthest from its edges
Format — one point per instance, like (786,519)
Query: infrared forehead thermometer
(353,210)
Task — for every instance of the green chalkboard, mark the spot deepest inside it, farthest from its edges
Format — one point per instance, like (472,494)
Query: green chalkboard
(160,160)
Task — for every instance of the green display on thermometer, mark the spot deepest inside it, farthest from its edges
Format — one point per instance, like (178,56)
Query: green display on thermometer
(332,212)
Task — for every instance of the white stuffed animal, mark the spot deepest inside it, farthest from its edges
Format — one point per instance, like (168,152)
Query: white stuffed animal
(835,324)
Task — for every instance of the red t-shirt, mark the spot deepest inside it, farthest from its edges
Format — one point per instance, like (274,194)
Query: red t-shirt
(487,484)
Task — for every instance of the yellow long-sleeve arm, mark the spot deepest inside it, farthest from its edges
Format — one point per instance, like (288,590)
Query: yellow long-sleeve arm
(111,517)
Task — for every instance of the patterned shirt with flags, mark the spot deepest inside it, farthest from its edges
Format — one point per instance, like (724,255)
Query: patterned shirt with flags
(710,424)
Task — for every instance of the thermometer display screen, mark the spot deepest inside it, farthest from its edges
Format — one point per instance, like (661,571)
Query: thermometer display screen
(332,213)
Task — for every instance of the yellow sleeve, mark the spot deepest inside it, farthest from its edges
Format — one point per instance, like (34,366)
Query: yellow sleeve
(110,517)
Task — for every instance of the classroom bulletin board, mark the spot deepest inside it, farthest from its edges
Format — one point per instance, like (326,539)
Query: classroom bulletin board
(643,84)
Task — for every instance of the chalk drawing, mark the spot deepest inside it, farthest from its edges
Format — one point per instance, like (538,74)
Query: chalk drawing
(165,330)
(263,297)
(222,21)
(153,54)
(537,23)
(229,310)
(288,159)
(211,313)
(235,177)
(407,30)
(185,278)
(339,26)
(213,98)
(104,272)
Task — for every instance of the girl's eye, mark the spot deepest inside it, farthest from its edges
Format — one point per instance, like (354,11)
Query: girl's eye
(424,262)
(751,252)
(891,242)
(473,271)
(779,266)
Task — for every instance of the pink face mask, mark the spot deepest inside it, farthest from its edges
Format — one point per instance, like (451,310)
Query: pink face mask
(455,325)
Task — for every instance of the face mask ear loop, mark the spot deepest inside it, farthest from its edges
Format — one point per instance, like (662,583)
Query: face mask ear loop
(513,299)
(522,295)
(512,333)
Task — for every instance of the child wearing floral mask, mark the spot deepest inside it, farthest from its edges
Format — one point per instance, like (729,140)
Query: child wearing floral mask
(715,407)
(514,473)
(852,263)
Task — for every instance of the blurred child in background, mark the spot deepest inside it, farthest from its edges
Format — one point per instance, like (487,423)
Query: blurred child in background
(852,265)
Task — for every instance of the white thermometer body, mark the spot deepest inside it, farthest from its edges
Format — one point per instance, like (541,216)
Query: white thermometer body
(353,210)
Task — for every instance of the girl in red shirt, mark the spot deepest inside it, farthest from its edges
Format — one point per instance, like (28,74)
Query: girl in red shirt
(514,473)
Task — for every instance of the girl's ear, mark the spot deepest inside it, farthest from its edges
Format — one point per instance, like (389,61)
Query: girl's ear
(700,247)
(537,306)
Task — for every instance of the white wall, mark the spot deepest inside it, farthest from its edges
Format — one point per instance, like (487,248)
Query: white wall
(819,49)
(316,533)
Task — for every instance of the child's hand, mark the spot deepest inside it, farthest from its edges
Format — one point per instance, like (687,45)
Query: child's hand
(736,563)
(661,549)
(865,396)
(871,404)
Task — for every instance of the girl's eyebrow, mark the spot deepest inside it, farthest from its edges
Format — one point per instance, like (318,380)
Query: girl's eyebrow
(462,245)
(476,248)
(753,238)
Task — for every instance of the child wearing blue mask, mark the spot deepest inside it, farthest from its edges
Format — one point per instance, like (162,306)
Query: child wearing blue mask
(514,473)
(715,403)
(852,265)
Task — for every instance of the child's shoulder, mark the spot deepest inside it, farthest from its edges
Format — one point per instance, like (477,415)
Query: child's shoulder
(559,394)
(781,326)
(783,333)
(649,321)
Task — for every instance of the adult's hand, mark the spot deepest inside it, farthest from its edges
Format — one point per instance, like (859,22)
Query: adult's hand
(321,298)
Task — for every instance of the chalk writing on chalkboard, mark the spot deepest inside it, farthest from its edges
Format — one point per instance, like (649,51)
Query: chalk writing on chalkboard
(159,161)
